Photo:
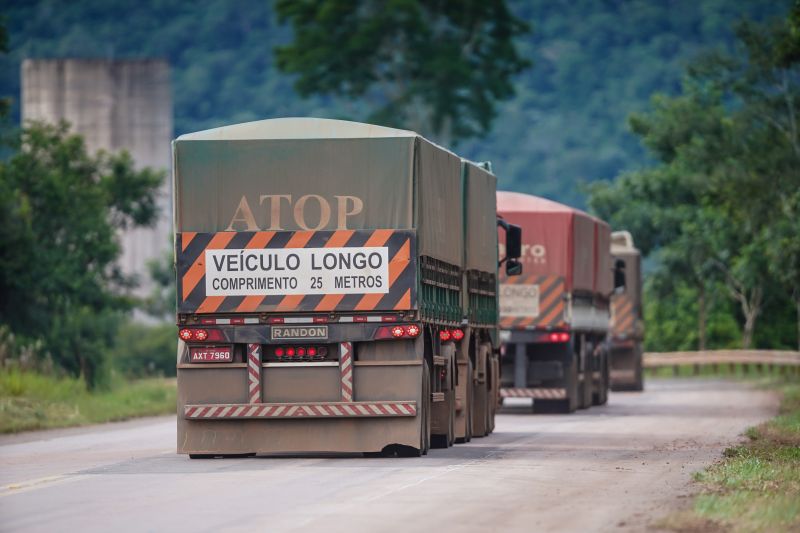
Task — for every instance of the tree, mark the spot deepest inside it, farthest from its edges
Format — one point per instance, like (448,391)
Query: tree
(5,103)
(729,169)
(435,67)
(60,209)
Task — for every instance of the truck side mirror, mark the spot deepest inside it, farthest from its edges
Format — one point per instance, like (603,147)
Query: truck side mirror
(619,275)
(513,267)
(513,248)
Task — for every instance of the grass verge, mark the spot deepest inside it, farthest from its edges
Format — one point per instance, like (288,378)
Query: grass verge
(30,400)
(756,486)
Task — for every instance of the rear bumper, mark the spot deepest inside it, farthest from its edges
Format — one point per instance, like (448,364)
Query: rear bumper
(300,410)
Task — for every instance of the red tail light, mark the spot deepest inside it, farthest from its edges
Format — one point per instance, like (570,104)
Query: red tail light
(397,332)
(301,352)
(290,351)
(312,351)
(457,334)
(557,336)
(279,352)
(200,335)
(444,335)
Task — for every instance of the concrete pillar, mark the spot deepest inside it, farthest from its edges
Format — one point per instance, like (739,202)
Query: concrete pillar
(115,105)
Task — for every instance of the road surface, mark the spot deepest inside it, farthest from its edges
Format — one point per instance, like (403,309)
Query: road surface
(613,468)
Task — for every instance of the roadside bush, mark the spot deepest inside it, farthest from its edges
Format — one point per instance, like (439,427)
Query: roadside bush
(143,350)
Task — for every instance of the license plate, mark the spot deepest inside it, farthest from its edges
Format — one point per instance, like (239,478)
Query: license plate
(216,354)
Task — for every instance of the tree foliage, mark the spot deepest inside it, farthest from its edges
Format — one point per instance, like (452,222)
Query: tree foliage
(594,63)
(60,210)
(721,202)
(435,67)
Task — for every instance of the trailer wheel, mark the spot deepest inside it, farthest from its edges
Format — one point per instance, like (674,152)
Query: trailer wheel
(480,396)
(571,386)
(448,439)
(600,397)
(495,388)
(470,402)
(639,385)
(585,389)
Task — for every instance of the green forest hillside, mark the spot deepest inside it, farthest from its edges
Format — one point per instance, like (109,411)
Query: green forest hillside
(593,64)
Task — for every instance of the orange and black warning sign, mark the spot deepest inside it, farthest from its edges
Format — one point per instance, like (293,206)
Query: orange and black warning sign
(623,316)
(296,271)
(532,301)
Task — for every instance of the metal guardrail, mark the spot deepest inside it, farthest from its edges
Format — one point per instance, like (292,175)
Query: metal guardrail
(730,360)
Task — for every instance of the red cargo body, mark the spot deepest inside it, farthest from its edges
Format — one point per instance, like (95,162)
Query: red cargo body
(554,317)
(556,239)
(564,251)
(604,269)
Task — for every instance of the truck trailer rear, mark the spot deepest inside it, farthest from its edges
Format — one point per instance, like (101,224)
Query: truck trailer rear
(555,318)
(627,324)
(323,290)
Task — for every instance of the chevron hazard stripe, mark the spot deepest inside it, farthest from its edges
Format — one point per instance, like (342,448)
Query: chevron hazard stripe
(623,315)
(530,302)
(296,271)
(537,393)
(301,410)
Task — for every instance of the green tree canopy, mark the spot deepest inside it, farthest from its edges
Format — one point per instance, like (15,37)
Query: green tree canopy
(60,209)
(435,67)
(721,202)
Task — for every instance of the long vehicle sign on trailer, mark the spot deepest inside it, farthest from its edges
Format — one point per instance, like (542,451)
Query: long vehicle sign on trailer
(296,271)
(234,272)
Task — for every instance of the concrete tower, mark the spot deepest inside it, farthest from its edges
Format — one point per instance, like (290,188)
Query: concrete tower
(114,105)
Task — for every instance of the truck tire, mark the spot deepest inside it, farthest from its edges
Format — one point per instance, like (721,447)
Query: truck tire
(470,402)
(494,394)
(446,411)
(600,396)
(467,407)
(480,396)
(639,383)
(585,388)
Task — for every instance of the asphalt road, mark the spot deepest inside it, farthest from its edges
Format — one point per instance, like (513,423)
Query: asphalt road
(613,468)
